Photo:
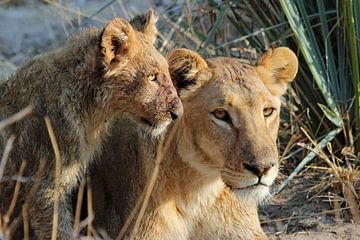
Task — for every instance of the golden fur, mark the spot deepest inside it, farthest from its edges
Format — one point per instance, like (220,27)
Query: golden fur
(81,86)
(222,157)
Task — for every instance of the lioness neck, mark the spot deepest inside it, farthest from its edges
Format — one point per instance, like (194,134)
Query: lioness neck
(192,191)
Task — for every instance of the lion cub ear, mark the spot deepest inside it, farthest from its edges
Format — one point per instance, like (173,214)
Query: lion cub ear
(277,68)
(118,42)
(188,70)
(146,23)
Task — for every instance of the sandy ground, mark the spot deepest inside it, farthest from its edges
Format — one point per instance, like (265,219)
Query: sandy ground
(299,212)
(28,30)
(345,231)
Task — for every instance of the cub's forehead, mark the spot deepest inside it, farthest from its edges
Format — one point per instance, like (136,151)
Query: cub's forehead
(149,56)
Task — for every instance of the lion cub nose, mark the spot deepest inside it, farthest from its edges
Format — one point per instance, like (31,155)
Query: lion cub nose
(258,170)
(176,108)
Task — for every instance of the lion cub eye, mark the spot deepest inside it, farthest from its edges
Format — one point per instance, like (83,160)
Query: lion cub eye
(268,111)
(152,77)
(222,114)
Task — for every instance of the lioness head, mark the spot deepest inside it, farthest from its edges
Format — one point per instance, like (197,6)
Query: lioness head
(137,73)
(231,114)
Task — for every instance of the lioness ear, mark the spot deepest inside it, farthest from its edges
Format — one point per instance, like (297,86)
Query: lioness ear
(146,23)
(277,68)
(188,70)
(118,42)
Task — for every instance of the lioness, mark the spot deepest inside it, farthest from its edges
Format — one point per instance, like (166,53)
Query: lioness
(222,156)
(81,86)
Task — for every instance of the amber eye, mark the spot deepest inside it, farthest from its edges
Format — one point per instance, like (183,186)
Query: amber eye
(222,114)
(152,77)
(268,111)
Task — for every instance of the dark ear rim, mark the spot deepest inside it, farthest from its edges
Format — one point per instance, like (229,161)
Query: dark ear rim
(188,70)
(146,24)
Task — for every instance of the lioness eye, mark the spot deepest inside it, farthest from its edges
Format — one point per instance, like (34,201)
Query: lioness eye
(152,77)
(268,112)
(222,114)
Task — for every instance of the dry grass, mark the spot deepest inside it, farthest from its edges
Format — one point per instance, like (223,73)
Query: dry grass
(245,31)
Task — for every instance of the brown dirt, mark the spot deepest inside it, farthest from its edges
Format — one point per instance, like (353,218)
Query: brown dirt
(303,211)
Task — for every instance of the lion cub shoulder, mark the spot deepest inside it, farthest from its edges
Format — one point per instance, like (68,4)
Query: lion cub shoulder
(81,86)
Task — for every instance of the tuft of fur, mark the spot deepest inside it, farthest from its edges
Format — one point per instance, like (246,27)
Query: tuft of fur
(146,23)
(205,188)
(81,87)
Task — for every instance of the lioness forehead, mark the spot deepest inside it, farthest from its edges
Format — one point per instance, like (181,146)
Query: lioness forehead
(238,80)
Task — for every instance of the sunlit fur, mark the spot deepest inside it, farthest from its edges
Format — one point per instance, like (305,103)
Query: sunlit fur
(80,86)
(203,190)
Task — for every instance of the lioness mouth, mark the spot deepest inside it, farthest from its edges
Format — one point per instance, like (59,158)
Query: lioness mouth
(247,187)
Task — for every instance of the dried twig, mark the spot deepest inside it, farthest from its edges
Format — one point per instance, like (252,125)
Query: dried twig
(131,216)
(16,117)
(301,217)
(15,197)
(90,218)
(57,176)
(8,147)
(351,201)
(25,214)
(71,10)
(328,138)
(161,153)
(78,210)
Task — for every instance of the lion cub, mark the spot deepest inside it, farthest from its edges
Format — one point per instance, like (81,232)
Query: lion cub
(222,156)
(81,86)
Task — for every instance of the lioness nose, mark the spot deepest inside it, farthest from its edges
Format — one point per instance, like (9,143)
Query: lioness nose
(258,170)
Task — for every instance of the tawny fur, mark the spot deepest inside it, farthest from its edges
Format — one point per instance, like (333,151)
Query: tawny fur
(203,190)
(81,86)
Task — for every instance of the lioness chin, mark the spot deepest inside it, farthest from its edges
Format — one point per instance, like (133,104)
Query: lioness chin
(222,156)
(80,86)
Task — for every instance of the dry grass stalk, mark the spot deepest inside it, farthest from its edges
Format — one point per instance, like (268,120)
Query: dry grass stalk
(131,216)
(346,176)
(16,117)
(333,166)
(350,198)
(303,217)
(12,227)
(10,211)
(57,176)
(1,227)
(25,215)
(160,155)
(71,10)
(337,213)
(8,147)
(78,210)
(90,218)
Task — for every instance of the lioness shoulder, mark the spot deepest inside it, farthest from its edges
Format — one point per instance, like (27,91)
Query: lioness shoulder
(221,158)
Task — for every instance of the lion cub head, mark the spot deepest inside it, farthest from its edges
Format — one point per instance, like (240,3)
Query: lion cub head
(231,114)
(137,73)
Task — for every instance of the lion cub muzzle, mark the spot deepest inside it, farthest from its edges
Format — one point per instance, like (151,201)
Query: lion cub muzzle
(176,109)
